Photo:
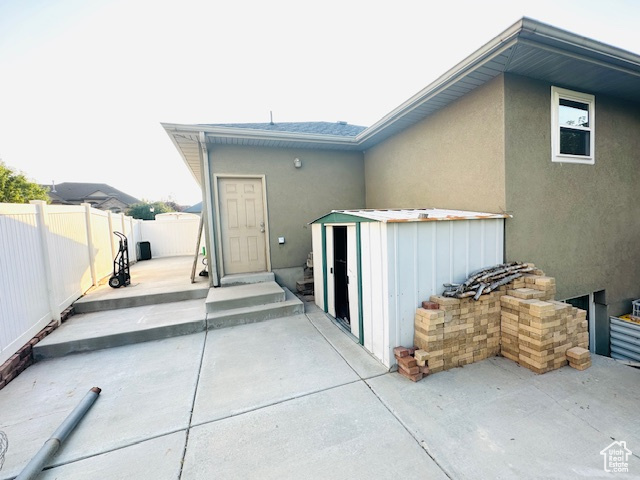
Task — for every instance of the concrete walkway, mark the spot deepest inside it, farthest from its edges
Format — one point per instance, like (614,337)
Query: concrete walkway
(296,398)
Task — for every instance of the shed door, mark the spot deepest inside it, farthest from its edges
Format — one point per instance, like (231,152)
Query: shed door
(352,272)
(242,225)
(331,289)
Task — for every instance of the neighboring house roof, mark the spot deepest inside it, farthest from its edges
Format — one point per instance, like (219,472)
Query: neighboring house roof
(529,48)
(76,192)
(197,208)
(404,215)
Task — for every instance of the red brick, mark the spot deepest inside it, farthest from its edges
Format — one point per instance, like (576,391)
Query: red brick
(413,378)
(400,352)
(409,370)
(34,341)
(5,368)
(430,305)
(424,370)
(25,351)
(14,360)
(2,384)
(407,362)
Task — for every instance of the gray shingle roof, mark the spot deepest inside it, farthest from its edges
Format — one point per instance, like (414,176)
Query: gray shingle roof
(75,191)
(341,129)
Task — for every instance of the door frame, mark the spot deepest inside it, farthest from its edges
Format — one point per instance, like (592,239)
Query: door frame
(216,199)
(329,283)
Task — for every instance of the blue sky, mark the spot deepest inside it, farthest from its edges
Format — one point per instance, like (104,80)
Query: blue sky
(84,85)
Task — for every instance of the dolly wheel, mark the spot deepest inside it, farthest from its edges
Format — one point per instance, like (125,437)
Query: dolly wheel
(115,282)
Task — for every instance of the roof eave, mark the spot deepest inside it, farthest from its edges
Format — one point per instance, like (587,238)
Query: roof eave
(501,42)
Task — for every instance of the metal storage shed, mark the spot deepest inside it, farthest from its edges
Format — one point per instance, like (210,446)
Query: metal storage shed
(373,268)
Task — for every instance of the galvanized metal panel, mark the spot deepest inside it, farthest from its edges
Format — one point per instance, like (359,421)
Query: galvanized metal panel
(374,290)
(625,340)
(424,256)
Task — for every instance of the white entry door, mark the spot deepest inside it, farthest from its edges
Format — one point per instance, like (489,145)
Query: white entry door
(242,225)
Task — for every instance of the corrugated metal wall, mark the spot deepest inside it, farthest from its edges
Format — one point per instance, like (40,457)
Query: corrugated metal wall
(625,340)
(406,263)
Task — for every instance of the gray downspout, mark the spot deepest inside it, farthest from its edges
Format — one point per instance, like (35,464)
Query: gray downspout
(207,210)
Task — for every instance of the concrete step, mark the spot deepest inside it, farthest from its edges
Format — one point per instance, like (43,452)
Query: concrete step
(256,313)
(229,298)
(247,278)
(129,297)
(98,330)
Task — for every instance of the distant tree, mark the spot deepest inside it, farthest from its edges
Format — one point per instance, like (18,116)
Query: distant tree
(174,206)
(148,210)
(16,188)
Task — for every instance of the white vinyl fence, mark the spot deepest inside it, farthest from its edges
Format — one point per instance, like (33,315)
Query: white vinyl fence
(50,255)
(171,237)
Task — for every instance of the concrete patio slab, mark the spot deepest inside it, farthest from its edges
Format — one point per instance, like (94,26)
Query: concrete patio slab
(601,396)
(94,331)
(364,364)
(147,391)
(251,366)
(160,280)
(494,419)
(344,432)
(156,459)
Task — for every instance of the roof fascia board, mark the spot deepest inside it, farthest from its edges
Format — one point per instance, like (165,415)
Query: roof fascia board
(577,56)
(526,31)
(532,29)
(250,134)
(496,46)
(171,130)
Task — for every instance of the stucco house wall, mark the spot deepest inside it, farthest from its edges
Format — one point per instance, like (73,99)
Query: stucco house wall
(327,180)
(451,159)
(579,223)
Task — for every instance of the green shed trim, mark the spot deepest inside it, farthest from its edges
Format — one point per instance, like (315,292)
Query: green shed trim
(324,268)
(360,313)
(336,217)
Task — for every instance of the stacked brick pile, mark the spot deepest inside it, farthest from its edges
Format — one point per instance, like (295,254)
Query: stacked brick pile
(412,363)
(579,358)
(520,320)
(460,331)
(536,330)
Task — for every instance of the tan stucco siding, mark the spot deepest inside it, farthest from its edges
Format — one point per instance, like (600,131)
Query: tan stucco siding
(327,180)
(579,223)
(452,159)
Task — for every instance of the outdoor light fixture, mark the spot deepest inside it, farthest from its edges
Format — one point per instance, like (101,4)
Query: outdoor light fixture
(297,162)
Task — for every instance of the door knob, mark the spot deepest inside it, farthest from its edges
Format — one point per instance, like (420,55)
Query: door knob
(262,227)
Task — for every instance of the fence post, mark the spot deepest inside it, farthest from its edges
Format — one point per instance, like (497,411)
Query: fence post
(92,251)
(113,247)
(43,230)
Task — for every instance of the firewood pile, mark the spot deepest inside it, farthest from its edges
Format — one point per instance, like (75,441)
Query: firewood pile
(486,280)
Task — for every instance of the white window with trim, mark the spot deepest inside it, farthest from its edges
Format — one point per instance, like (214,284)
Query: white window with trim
(573,117)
